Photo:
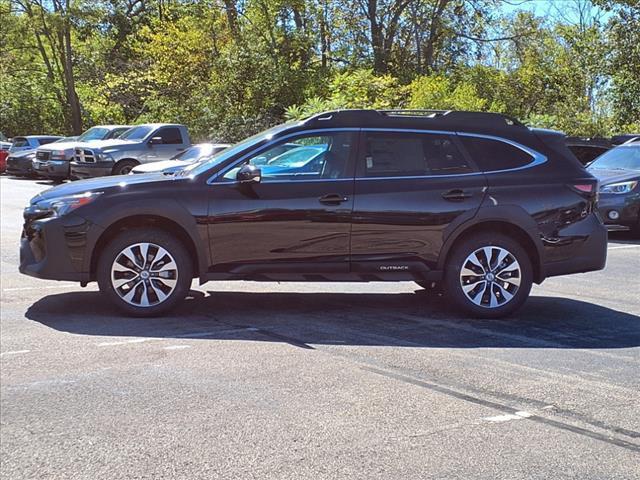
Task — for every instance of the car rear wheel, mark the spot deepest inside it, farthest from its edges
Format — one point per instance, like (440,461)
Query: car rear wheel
(145,272)
(489,276)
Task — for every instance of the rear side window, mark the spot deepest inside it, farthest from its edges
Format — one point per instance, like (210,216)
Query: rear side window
(411,154)
(20,142)
(492,155)
(170,136)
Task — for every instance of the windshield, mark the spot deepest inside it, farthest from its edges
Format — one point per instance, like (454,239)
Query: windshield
(95,133)
(136,133)
(200,167)
(626,157)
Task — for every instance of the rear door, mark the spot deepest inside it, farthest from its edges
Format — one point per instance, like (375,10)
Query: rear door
(411,189)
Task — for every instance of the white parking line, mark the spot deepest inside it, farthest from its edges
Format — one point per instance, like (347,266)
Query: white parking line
(620,247)
(177,347)
(14,352)
(510,416)
(125,342)
(21,289)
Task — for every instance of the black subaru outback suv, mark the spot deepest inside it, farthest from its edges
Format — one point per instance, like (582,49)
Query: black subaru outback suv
(475,202)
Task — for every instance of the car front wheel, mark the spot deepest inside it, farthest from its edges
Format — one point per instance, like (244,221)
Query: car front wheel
(489,276)
(145,272)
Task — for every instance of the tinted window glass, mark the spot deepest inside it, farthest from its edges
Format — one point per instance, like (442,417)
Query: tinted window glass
(412,154)
(44,141)
(94,133)
(491,155)
(116,132)
(20,142)
(136,133)
(310,157)
(170,136)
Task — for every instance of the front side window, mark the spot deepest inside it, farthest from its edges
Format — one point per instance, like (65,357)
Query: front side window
(305,158)
(116,132)
(494,155)
(391,154)
(19,142)
(170,136)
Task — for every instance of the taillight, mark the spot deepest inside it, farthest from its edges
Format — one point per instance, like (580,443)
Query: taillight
(585,187)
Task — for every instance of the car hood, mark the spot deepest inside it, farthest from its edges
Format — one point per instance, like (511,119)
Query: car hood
(161,166)
(613,176)
(100,184)
(114,143)
(50,147)
(23,153)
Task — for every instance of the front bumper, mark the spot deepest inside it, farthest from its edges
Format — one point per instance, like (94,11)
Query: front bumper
(620,210)
(58,248)
(53,169)
(91,170)
(19,166)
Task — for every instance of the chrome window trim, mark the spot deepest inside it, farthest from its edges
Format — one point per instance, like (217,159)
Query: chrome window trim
(537,157)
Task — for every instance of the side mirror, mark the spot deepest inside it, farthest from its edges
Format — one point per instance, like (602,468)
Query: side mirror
(155,141)
(249,174)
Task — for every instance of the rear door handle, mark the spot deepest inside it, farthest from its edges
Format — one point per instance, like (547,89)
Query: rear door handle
(333,199)
(456,195)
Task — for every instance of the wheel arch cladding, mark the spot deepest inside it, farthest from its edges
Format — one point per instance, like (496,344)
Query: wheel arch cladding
(146,221)
(503,227)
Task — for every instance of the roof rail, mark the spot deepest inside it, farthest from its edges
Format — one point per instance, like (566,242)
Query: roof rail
(444,117)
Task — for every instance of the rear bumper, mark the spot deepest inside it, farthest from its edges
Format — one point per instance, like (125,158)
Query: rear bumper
(91,170)
(588,243)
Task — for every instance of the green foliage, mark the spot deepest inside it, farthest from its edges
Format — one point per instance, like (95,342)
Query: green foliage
(229,69)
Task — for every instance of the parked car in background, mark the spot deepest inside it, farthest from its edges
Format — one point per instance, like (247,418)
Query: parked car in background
(477,201)
(196,153)
(153,142)
(3,160)
(587,149)
(620,139)
(31,142)
(5,145)
(618,171)
(21,163)
(52,161)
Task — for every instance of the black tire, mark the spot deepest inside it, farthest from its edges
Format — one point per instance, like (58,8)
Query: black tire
(124,167)
(503,305)
(157,238)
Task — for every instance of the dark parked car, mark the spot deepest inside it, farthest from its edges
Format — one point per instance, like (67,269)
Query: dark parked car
(587,150)
(476,201)
(20,163)
(619,173)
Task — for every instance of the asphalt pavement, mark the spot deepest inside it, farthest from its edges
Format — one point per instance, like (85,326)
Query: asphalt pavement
(318,381)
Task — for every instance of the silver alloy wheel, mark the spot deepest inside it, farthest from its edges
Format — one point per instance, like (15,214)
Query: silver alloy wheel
(490,277)
(144,274)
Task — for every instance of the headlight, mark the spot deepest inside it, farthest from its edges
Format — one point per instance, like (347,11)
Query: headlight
(622,187)
(57,207)
(58,155)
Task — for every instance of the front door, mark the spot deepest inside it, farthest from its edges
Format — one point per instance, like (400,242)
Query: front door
(410,188)
(171,144)
(296,219)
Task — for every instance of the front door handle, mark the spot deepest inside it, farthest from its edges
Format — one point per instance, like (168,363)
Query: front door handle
(333,199)
(456,195)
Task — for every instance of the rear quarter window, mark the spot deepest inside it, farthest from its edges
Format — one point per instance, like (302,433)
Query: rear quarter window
(492,155)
